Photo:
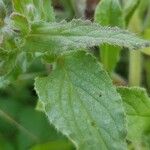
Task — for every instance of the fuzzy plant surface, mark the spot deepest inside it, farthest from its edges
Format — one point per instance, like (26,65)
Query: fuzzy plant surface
(77,96)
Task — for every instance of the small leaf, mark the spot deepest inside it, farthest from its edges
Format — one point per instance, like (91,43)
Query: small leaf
(35,10)
(61,37)
(137,107)
(20,23)
(48,11)
(109,13)
(81,102)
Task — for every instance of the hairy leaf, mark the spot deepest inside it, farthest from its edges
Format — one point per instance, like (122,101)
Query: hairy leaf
(137,107)
(109,13)
(20,23)
(61,37)
(81,102)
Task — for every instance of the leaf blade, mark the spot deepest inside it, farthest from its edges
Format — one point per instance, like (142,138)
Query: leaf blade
(76,105)
(61,37)
(137,107)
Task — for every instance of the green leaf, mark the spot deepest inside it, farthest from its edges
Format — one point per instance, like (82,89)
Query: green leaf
(61,37)
(109,13)
(137,107)
(20,23)
(35,10)
(144,12)
(129,9)
(81,102)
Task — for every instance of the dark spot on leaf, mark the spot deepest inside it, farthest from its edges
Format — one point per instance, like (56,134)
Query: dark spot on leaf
(93,124)
(100,95)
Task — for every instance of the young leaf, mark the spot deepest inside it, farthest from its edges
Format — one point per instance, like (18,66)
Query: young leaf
(137,107)
(65,36)
(109,13)
(21,23)
(35,10)
(81,102)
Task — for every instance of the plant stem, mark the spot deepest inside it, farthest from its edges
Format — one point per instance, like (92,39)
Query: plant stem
(135,62)
(135,68)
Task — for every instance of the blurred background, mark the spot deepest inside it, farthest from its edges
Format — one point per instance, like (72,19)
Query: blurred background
(22,126)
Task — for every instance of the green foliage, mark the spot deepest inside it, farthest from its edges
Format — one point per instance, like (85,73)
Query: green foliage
(76,93)
(22,127)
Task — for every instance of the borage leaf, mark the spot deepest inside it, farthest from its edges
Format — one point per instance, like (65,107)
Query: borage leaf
(64,36)
(81,102)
